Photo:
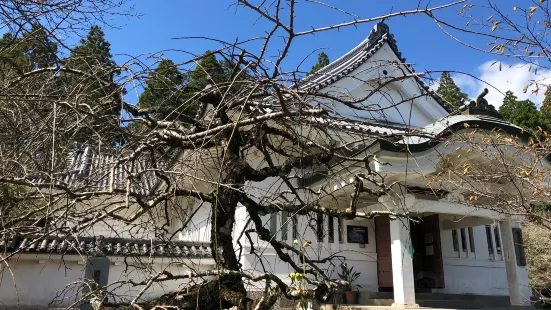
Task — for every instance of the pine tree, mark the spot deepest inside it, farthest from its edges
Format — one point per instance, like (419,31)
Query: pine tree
(31,51)
(39,48)
(93,57)
(522,113)
(94,54)
(449,93)
(546,104)
(545,111)
(323,60)
(208,71)
(165,90)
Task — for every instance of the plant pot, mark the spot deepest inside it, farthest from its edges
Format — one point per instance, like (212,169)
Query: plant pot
(351,297)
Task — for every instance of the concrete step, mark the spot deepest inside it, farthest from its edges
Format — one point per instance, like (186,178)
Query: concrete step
(429,300)
(456,304)
(451,304)
(499,300)
(377,302)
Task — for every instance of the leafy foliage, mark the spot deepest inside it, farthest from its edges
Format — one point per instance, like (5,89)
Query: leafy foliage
(166,90)
(93,58)
(323,60)
(33,50)
(522,113)
(449,93)
(208,71)
(538,256)
(350,276)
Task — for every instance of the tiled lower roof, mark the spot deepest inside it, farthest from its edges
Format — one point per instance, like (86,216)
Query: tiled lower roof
(111,247)
(88,169)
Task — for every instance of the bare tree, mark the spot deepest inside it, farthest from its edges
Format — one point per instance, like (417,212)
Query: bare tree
(248,142)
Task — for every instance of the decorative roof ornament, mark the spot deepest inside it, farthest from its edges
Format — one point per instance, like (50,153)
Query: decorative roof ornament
(481,106)
(382,31)
(97,251)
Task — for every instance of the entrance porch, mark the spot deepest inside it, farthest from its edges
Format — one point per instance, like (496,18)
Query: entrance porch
(449,248)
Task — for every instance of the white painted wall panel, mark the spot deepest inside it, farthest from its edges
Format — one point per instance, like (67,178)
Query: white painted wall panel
(471,275)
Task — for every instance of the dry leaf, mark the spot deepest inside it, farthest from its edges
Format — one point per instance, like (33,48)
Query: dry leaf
(532,11)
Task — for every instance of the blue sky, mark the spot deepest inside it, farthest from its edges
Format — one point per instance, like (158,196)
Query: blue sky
(419,39)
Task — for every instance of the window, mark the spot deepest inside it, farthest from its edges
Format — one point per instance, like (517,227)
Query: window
(489,240)
(356,234)
(273,224)
(340,230)
(96,276)
(295,227)
(319,227)
(471,239)
(519,247)
(463,240)
(284,218)
(455,241)
(498,240)
(330,229)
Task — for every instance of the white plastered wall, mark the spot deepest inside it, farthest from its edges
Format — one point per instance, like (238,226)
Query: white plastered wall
(468,272)
(34,281)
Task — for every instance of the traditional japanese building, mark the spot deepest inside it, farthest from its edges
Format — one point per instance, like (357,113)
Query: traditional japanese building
(450,247)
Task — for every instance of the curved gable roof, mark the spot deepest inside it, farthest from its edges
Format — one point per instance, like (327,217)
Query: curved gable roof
(353,59)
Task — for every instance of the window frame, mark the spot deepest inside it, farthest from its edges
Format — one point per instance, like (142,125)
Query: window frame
(471,240)
(455,240)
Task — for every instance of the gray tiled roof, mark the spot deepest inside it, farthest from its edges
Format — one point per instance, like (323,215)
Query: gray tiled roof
(352,60)
(88,169)
(111,247)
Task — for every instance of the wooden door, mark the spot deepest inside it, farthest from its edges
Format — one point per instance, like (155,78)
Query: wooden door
(432,249)
(384,258)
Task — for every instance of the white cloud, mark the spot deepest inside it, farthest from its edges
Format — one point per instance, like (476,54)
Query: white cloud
(513,78)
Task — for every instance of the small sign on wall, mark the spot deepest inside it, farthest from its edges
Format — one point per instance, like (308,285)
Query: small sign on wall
(356,234)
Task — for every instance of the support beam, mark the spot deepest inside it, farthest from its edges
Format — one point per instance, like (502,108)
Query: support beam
(515,264)
(465,221)
(400,248)
(402,264)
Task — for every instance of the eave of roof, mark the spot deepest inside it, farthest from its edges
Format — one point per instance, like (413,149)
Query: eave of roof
(434,134)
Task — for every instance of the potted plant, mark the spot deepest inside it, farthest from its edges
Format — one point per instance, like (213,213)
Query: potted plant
(349,276)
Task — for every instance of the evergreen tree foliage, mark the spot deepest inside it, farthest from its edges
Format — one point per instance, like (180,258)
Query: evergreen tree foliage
(323,60)
(546,103)
(93,57)
(166,89)
(545,111)
(94,54)
(449,93)
(39,48)
(208,71)
(31,51)
(522,113)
